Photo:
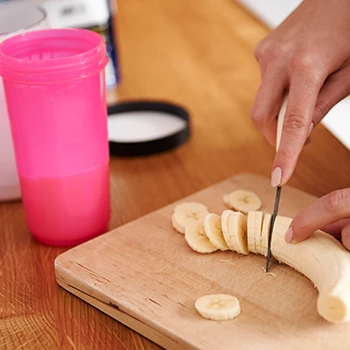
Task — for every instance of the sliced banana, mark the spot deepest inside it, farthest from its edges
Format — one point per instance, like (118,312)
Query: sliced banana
(243,200)
(254,226)
(218,307)
(262,243)
(186,213)
(196,238)
(234,228)
(213,230)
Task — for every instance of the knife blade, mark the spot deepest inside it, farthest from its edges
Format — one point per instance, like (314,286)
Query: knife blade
(280,120)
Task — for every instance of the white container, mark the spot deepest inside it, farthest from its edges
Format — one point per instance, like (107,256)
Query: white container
(15,17)
(88,14)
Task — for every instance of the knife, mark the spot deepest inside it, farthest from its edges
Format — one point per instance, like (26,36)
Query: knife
(280,121)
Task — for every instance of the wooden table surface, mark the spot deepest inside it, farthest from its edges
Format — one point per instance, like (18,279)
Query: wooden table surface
(194,53)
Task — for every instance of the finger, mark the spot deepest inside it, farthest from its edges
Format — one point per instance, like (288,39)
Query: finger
(345,236)
(335,88)
(267,103)
(328,209)
(335,228)
(303,94)
(261,55)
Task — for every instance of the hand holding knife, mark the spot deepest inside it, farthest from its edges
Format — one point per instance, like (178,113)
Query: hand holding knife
(280,121)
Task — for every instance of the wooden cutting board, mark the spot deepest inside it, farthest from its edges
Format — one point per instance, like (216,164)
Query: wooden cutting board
(144,275)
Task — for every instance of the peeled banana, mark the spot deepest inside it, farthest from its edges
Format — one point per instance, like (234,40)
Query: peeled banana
(243,201)
(324,261)
(218,307)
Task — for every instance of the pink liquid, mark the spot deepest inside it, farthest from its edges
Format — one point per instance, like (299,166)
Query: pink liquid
(66,211)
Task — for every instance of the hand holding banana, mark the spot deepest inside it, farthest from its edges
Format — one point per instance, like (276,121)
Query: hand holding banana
(310,59)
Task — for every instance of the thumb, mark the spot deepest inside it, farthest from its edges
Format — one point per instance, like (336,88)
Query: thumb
(324,211)
(345,236)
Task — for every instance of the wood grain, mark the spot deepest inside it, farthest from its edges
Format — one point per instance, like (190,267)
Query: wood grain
(198,54)
(145,275)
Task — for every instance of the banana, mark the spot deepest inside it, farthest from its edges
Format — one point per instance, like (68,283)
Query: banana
(324,261)
(234,228)
(196,238)
(254,225)
(212,228)
(218,307)
(187,212)
(243,201)
(321,257)
(263,240)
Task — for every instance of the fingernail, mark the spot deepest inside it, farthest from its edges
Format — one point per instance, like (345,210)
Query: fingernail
(276,177)
(312,125)
(289,235)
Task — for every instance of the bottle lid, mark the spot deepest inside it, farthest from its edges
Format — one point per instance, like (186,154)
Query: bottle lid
(146,127)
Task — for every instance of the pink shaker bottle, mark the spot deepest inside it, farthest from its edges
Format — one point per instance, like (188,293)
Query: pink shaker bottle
(55,91)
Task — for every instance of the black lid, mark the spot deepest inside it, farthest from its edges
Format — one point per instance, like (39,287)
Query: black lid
(146,127)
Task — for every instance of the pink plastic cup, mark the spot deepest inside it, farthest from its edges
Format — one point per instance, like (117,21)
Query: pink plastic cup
(55,92)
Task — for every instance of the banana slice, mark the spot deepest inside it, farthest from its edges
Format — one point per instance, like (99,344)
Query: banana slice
(254,226)
(196,238)
(234,228)
(218,307)
(243,200)
(186,213)
(262,243)
(212,228)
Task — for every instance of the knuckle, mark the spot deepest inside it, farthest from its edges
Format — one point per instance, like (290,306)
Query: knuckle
(335,202)
(273,52)
(279,53)
(303,62)
(309,65)
(260,50)
(321,109)
(281,49)
(256,116)
(294,121)
(268,49)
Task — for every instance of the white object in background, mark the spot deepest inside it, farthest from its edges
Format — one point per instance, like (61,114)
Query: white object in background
(83,14)
(15,17)
(76,13)
(337,121)
(273,13)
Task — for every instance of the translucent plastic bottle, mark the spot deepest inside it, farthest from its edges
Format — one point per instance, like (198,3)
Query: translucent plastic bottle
(55,90)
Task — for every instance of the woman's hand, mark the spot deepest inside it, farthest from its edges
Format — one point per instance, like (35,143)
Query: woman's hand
(331,213)
(308,55)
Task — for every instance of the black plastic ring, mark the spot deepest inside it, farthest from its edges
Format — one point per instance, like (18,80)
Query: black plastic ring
(142,148)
